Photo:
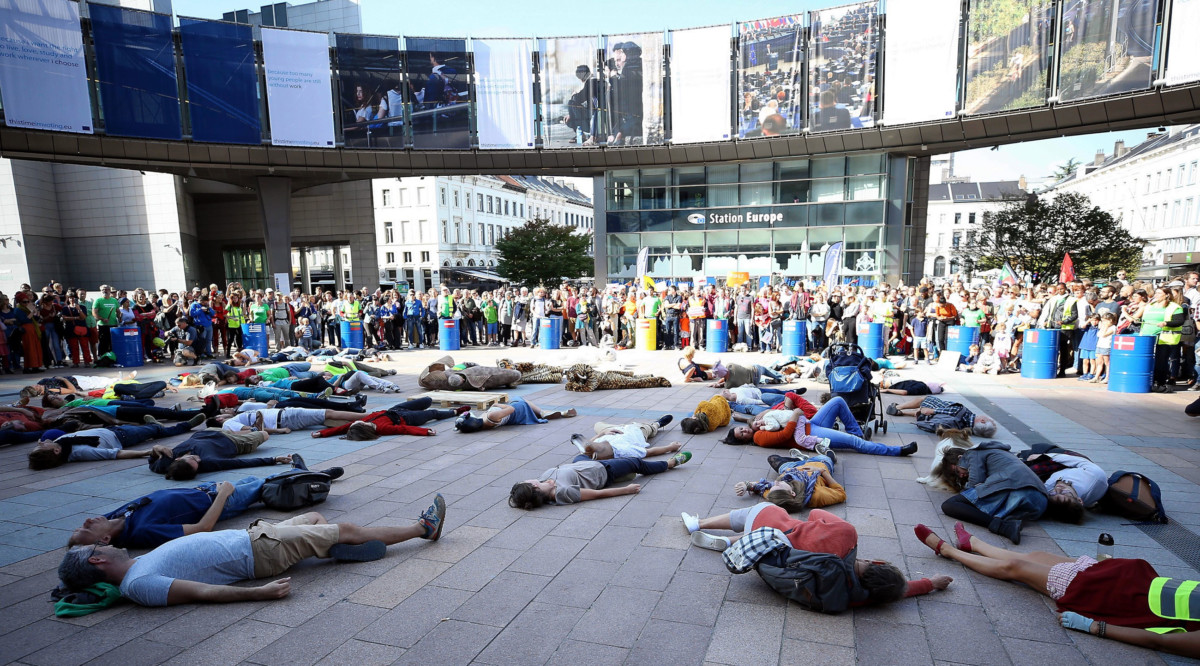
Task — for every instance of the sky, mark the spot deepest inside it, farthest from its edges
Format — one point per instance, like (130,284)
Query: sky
(489,18)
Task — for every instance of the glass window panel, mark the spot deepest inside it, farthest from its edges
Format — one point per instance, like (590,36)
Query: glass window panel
(790,239)
(793,170)
(756,264)
(654,188)
(689,176)
(722,195)
(657,221)
(862,238)
(794,191)
(660,266)
(659,243)
(690,192)
(753,172)
(722,242)
(618,243)
(690,242)
(866,187)
(862,262)
(723,174)
(828,215)
(720,265)
(690,264)
(829,189)
(622,265)
(866,212)
(623,222)
(755,241)
(757,194)
(823,167)
(864,164)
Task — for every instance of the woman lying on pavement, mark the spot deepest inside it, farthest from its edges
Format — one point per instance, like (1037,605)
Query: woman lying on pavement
(998,490)
(400,419)
(517,412)
(804,480)
(1122,599)
(281,421)
(819,426)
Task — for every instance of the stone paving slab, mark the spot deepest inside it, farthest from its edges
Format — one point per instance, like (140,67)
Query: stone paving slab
(612,581)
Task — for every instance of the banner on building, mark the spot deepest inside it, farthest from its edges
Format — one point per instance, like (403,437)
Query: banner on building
(921,60)
(634,74)
(504,88)
(833,264)
(737,278)
(1009,47)
(438,72)
(299,104)
(770,71)
(222,81)
(700,84)
(1107,48)
(572,93)
(43,77)
(135,69)
(370,91)
(1183,49)
(842,54)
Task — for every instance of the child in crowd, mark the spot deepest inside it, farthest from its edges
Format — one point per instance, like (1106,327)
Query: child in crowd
(762,319)
(918,328)
(491,315)
(1104,339)
(967,363)
(1002,342)
(1087,348)
(988,361)
(304,334)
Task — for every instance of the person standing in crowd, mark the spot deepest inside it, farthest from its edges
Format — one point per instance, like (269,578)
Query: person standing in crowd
(1163,318)
(104,309)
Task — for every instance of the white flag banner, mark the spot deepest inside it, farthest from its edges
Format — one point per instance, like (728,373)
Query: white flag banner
(299,96)
(43,78)
(1183,49)
(700,92)
(920,60)
(504,92)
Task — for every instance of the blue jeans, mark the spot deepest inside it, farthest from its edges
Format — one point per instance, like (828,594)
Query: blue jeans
(297,368)
(824,460)
(619,467)
(766,373)
(203,344)
(412,330)
(745,334)
(837,410)
(246,492)
(132,435)
(1019,504)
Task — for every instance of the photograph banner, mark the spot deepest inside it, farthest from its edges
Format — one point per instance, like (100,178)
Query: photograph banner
(135,67)
(439,86)
(700,98)
(833,264)
(573,93)
(504,87)
(370,91)
(770,71)
(1107,48)
(842,56)
(1183,49)
(633,69)
(921,61)
(43,77)
(1009,48)
(222,81)
(299,105)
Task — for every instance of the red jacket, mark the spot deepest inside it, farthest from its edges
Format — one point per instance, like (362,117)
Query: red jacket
(385,424)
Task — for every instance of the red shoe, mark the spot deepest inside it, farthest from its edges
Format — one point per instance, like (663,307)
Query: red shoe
(963,537)
(923,533)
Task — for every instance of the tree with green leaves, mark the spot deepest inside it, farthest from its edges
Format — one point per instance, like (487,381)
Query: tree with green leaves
(1032,235)
(1065,169)
(540,252)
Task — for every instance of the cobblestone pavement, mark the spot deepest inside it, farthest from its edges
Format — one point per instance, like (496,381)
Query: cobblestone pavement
(608,581)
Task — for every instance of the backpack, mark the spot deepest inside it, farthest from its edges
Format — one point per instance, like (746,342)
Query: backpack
(849,371)
(296,489)
(816,581)
(1134,496)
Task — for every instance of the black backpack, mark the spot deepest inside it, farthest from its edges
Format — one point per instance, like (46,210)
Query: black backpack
(296,489)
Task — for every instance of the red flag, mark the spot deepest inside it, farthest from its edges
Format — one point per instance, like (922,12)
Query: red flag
(1067,272)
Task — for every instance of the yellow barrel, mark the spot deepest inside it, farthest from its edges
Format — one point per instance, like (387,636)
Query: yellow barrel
(647,334)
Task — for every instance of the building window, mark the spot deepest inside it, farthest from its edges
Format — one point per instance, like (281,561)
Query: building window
(506,206)
(481,236)
(1192,173)
(522,210)
(1179,177)
(408,257)
(957,240)
(941,240)
(491,234)
(420,196)
(490,207)
(443,196)
(400,196)
(387,197)
(389,234)
(390,258)
(445,232)
(458,231)
(958,218)
(971,218)
(481,203)
(456,198)
(939,267)
(425,256)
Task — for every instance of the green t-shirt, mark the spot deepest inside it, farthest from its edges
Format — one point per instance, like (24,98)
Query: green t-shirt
(87,309)
(274,374)
(972,317)
(652,307)
(87,402)
(490,314)
(108,309)
(258,313)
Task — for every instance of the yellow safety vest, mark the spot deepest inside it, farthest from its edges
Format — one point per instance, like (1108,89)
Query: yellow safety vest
(1070,317)
(1173,599)
(350,311)
(1154,323)
(234,317)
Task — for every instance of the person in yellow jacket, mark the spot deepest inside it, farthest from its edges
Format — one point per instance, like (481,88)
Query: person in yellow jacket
(1164,318)
(709,415)
(235,316)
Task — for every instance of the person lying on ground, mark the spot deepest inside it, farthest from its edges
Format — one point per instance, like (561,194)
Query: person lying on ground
(116,412)
(211,451)
(56,447)
(909,386)
(805,432)
(201,567)
(997,490)
(1122,599)
(933,413)
(585,479)
(283,420)
(803,480)
(403,418)
(624,440)
(229,404)
(518,412)
(1073,482)
(709,415)
(311,382)
(739,375)
(748,399)
(107,387)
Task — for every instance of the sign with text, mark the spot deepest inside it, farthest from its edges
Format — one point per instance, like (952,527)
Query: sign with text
(42,72)
(299,105)
(700,84)
(504,87)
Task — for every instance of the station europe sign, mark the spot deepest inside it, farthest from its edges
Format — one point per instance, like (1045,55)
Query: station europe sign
(735,218)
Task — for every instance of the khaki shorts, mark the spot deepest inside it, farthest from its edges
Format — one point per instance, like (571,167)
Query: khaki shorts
(279,546)
(246,442)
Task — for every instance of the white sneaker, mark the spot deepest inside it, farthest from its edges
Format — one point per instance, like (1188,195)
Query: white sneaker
(710,541)
(692,523)
(798,453)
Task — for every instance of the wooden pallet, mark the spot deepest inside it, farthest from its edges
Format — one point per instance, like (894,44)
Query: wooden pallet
(477,399)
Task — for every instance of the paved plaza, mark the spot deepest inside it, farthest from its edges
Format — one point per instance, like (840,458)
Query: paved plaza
(612,581)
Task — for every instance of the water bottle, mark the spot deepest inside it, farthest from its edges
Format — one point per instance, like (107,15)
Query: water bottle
(1104,547)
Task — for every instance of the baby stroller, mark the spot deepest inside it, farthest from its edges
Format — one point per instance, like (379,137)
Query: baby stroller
(849,373)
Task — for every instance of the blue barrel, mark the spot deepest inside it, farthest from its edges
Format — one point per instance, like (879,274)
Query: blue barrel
(127,346)
(254,336)
(1131,363)
(448,339)
(960,338)
(795,337)
(550,332)
(870,338)
(352,335)
(718,336)
(1039,354)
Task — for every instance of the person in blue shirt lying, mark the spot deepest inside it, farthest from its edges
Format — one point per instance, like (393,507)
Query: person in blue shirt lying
(57,447)
(211,451)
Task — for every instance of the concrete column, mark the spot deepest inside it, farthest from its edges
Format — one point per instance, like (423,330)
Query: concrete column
(600,229)
(275,205)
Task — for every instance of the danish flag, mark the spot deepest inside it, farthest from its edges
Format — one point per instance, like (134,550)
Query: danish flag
(1123,343)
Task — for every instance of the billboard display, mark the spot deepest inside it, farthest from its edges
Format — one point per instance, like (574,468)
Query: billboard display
(573,93)
(842,55)
(921,60)
(222,81)
(43,76)
(1183,54)
(135,69)
(700,97)
(1009,49)
(504,87)
(1107,48)
(770,76)
(634,68)
(438,76)
(370,91)
(299,105)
